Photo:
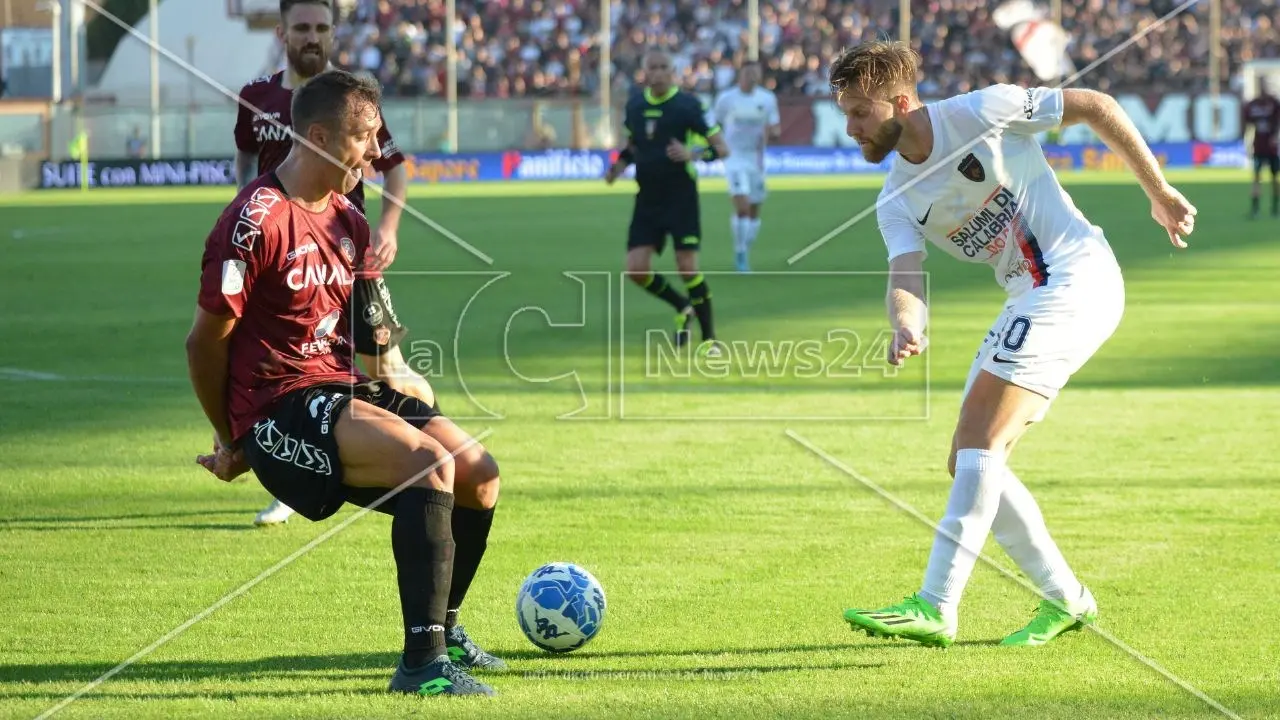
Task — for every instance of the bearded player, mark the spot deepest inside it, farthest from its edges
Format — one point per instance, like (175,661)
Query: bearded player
(1262,114)
(306,30)
(971,179)
(749,115)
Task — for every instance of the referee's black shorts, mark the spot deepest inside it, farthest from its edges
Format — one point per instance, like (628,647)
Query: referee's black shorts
(657,217)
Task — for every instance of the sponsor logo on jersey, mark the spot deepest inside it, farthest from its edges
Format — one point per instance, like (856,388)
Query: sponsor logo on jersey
(312,275)
(324,334)
(268,128)
(1029,105)
(232,277)
(299,252)
(986,230)
(373,313)
(325,418)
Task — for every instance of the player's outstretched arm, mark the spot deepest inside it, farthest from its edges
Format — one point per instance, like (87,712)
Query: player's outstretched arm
(207,350)
(395,188)
(1109,122)
(905,302)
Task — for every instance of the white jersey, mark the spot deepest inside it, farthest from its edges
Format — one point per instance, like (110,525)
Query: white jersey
(987,194)
(745,118)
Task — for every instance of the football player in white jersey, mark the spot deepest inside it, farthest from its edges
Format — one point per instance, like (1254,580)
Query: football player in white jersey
(749,115)
(971,179)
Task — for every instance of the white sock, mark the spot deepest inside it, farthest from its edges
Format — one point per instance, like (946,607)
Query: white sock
(1019,528)
(753,229)
(972,507)
(739,225)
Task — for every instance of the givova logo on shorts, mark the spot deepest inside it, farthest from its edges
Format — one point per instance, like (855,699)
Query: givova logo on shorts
(290,449)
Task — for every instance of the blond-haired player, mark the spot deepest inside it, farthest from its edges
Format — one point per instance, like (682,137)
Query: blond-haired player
(971,179)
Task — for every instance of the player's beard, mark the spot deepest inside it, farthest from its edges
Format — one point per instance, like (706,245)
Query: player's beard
(886,138)
(308,60)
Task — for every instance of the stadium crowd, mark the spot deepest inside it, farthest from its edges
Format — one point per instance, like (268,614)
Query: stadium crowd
(541,48)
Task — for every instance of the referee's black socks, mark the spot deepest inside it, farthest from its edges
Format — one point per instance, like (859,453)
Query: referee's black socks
(470,537)
(422,542)
(700,298)
(658,286)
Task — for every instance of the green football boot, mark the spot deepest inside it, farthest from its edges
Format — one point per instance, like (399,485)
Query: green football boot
(914,619)
(682,334)
(1052,619)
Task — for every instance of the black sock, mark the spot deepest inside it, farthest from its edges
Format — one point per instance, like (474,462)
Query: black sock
(471,536)
(659,287)
(1254,205)
(422,542)
(700,297)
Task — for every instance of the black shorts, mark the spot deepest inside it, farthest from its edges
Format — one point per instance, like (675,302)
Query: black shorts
(375,326)
(295,455)
(654,219)
(1272,161)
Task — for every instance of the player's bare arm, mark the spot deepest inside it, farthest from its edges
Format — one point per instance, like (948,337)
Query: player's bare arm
(905,302)
(246,168)
(395,188)
(1108,121)
(207,351)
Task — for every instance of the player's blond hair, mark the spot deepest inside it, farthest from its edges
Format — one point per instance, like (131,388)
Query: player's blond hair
(885,67)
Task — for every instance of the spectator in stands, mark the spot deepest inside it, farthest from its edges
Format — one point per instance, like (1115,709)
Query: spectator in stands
(516,48)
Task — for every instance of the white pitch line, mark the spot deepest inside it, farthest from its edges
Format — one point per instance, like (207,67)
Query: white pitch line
(907,508)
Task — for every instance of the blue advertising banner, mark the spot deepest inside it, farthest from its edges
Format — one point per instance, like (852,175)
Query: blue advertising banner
(537,165)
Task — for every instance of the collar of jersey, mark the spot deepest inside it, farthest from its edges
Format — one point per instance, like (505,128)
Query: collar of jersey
(671,92)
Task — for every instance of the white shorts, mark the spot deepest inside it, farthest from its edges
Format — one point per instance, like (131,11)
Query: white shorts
(1047,334)
(747,181)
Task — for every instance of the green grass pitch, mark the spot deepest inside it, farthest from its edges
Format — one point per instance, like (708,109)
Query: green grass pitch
(727,550)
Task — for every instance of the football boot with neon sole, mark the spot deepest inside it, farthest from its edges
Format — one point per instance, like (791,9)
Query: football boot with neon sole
(438,677)
(1053,619)
(912,619)
(463,651)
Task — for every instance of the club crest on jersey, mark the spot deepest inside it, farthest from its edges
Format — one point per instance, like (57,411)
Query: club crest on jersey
(971,168)
(348,249)
(649,126)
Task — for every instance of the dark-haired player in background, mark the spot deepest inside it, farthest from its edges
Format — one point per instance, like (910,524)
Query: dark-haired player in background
(262,143)
(660,124)
(1263,114)
(269,359)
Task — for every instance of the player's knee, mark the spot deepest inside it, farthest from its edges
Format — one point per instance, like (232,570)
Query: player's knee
(638,270)
(431,465)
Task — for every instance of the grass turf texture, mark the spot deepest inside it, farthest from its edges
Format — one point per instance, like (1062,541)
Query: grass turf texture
(727,550)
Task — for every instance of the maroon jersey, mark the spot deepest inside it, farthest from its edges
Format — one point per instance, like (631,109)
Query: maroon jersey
(1263,112)
(255,134)
(286,273)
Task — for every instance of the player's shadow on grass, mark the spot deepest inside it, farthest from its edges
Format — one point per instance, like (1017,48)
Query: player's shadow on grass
(18,522)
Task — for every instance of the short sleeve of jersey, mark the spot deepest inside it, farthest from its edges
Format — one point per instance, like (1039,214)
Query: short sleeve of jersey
(698,119)
(1026,111)
(246,140)
(899,233)
(233,259)
(391,155)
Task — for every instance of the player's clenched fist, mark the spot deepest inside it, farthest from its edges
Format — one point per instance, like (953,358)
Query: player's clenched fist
(1174,213)
(906,342)
(225,463)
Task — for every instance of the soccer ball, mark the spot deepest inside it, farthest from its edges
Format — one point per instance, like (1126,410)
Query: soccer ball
(560,607)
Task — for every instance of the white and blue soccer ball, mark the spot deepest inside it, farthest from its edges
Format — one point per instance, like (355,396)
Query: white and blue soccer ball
(560,607)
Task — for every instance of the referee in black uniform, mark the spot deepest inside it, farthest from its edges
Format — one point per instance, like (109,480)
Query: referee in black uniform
(660,124)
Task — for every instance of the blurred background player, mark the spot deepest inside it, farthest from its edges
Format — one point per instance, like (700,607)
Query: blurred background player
(661,123)
(268,362)
(306,31)
(1262,115)
(970,178)
(749,115)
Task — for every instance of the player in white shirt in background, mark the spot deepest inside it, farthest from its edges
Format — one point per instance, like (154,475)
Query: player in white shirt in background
(971,179)
(749,115)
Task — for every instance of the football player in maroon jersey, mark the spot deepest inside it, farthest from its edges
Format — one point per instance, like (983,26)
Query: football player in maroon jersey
(1263,114)
(269,358)
(263,141)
